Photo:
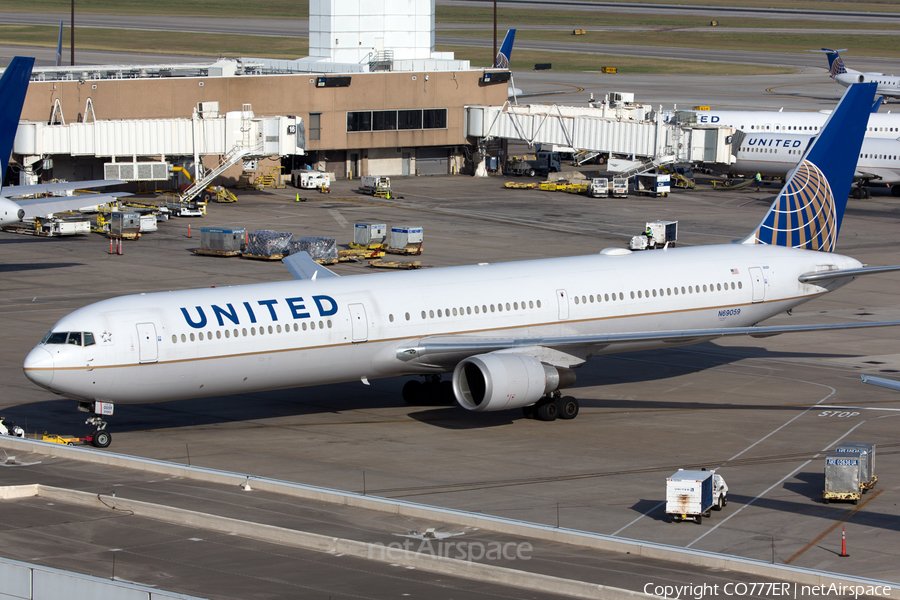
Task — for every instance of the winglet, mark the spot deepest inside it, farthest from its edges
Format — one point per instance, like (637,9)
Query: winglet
(809,209)
(13,87)
(302,266)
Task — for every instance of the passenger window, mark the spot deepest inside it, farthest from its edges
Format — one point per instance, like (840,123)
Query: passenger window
(492,308)
(469,310)
(530,304)
(407,316)
(538,303)
(200,335)
(499,308)
(174,339)
(515,306)
(606,297)
(192,337)
(440,313)
(89,339)
(576,299)
(304,327)
(507,306)
(454,312)
(476,309)
(391,318)
(312,325)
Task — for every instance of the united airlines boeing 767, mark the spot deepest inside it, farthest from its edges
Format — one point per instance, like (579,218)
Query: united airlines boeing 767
(512,334)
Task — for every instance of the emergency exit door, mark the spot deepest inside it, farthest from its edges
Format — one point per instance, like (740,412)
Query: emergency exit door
(563,298)
(359,323)
(147,346)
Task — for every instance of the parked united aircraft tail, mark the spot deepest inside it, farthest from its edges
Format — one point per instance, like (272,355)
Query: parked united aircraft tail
(13,87)
(512,334)
(503,57)
(888,85)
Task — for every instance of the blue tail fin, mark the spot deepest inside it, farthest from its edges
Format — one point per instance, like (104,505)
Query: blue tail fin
(503,57)
(13,86)
(808,211)
(835,62)
(877,104)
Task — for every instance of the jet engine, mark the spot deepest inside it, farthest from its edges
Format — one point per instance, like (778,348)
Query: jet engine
(499,381)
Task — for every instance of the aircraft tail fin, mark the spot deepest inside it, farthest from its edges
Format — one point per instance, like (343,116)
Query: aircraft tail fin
(13,86)
(59,45)
(835,62)
(808,211)
(877,104)
(503,57)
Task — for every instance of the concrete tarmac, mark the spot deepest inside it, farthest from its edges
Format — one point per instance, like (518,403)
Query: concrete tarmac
(764,411)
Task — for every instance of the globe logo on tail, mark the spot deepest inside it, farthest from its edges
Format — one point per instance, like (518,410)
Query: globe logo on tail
(837,67)
(804,215)
(501,62)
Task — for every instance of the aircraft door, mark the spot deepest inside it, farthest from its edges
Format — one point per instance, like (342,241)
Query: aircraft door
(359,322)
(759,284)
(563,298)
(147,347)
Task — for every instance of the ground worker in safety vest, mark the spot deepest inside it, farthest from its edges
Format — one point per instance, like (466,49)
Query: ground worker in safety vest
(758,181)
(648,233)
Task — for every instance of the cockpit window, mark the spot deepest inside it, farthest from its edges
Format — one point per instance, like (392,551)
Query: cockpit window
(75,338)
(57,337)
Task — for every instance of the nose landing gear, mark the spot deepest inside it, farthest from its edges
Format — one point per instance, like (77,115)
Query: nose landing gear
(100,438)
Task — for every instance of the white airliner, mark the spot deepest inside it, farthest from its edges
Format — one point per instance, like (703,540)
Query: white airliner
(13,86)
(881,125)
(888,85)
(511,334)
(775,154)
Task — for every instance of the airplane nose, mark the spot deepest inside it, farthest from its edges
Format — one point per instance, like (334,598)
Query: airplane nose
(39,366)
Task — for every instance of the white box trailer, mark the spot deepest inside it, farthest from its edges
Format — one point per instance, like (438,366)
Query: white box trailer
(308,179)
(691,495)
(663,232)
(375,185)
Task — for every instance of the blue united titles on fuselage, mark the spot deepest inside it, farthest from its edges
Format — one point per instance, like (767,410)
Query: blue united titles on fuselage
(325,306)
(774,142)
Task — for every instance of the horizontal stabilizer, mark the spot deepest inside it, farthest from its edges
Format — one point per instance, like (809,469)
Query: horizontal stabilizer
(844,273)
(477,345)
(302,266)
(882,382)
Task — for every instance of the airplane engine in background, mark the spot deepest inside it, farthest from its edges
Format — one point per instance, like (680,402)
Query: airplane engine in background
(500,381)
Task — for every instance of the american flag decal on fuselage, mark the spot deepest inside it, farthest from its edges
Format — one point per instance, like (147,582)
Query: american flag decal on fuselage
(804,215)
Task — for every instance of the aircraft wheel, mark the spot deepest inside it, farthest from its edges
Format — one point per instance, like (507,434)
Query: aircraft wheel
(856,193)
(413,392)
(568,407)
(895,190)
(867,193)
(101,438)
(547,411)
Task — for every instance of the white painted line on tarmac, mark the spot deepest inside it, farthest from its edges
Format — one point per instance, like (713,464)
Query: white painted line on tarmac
(638,519)
(338,217)
(859,407)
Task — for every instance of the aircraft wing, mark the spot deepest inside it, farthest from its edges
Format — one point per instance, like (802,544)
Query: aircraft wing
(442,349)
(882,382)
(302,266)
(844,273)
(17,191)
(38,207)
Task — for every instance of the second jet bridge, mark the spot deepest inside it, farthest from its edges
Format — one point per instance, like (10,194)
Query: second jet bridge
(584,129)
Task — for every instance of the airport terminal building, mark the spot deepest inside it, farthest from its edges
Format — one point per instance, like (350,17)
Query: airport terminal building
(373,98)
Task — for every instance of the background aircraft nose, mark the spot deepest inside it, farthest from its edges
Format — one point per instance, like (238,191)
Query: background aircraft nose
(39,366)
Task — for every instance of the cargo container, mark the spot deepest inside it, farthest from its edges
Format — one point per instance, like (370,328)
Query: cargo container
(122,224)
(365,234)
(867,477)
(404,236)
(653,184)
(222,239)
(842,477)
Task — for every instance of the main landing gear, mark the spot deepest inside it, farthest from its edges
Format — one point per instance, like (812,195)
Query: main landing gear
(431,392)
(861,192)
(100,438)
(551,407)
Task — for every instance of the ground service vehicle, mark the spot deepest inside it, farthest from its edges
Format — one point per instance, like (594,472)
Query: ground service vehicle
(653,184)
(375,185)
(694,494)
(599,187)
(307,179)
(664,232)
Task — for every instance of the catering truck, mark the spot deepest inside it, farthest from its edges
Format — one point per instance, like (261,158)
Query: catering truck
(692,495)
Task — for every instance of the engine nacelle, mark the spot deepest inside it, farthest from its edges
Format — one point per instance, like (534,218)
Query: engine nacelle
(499,381)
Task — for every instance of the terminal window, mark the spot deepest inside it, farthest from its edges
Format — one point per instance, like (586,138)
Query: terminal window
(315,126)
(392,120)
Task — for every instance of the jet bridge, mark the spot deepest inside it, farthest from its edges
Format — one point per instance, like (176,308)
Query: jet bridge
(646,138)
(233,136)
